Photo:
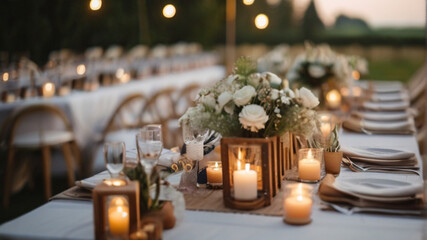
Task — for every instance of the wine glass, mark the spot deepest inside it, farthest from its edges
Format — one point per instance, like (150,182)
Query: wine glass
(114,155)
(149,146)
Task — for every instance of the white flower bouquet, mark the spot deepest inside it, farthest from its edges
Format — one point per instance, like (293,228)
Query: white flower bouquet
(319,64)
(250,104)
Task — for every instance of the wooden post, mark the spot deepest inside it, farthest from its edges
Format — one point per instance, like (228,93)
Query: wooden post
(230,34)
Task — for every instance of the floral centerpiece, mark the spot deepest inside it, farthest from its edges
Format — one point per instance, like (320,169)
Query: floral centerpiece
(318,65)
(250,104)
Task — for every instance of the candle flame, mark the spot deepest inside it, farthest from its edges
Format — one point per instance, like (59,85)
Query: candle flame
(239,154)
(5,77)
(119,209)
(81,69)
(216,164)
(247,166)
(238,165)
(299,198)
(309,154)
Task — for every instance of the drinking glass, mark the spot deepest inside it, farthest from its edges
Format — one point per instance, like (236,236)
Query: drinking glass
(149,146)
(114,155)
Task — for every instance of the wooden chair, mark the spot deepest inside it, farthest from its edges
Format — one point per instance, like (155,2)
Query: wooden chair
(38,137)
(185,99)
(160,109)
(126,116)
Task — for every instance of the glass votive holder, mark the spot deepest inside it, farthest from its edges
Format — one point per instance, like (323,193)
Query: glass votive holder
(214,174)
(297,204)
(310,165)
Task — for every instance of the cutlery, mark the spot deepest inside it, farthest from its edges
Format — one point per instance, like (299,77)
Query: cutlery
(349,210)
(356,168)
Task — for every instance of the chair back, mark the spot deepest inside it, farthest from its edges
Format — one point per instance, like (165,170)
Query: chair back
(185,99)
(127,114)
(39,120)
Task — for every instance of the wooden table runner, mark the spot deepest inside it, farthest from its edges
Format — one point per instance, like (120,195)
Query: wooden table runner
(211,200)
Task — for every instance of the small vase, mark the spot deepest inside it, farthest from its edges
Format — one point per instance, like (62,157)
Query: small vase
(333,162)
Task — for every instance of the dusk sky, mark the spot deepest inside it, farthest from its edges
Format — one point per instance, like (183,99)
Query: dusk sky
(378,13)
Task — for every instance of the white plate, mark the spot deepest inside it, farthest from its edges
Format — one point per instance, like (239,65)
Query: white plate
(379,187)
(376,152)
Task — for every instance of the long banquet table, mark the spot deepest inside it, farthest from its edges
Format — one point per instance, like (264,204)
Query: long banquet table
(89,112)
(72,219)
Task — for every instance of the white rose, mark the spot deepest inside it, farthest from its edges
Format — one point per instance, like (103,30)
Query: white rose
(272,78)
(316,71)
(253,117)
(307,97)
(274,94)
(242,96)
(208,100)
(223,99)
(254,79)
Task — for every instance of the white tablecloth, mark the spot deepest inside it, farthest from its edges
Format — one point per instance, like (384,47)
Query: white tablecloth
(89,112)
(73,219)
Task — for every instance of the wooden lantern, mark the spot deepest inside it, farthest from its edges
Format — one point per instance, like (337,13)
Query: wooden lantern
(249,174)
(116,208)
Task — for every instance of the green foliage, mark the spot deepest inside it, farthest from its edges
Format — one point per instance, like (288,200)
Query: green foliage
(147,204)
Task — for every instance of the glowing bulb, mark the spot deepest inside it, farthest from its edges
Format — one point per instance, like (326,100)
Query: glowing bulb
(5,77)
(248,2)
(95,5)
(169,11)
(81,69)
(261,21)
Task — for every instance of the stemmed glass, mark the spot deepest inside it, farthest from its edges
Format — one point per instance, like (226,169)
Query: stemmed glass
(114,155)
(149,144)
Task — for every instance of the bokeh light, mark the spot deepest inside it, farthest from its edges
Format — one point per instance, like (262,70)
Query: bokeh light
(248,2)
(169,11)
(81,69)
(261,21)
(95,5)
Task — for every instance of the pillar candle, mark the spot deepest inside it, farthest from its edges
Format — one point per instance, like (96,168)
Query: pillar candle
(118,217)
(245,183)
(309,168)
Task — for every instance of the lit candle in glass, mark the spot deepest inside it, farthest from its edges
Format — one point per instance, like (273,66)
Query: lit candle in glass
(297,204)
(245,183)
(214,173)
(333,99)
(118,216)
(309,164)
(48,90)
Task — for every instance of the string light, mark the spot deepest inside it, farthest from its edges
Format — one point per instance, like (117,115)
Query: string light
(169,11)
(261,21)
(248,2)
(95,5)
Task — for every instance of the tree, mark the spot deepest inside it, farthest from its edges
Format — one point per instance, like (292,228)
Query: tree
(311,24)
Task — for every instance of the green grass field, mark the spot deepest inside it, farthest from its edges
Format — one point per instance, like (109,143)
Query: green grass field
(401,70)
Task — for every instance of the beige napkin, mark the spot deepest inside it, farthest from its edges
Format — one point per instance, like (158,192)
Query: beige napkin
(330,193)
(382,86)
(377,127)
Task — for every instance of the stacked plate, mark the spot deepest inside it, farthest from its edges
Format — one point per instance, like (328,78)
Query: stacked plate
(381,195)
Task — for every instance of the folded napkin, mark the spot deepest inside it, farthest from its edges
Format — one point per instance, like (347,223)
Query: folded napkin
(386,106)
(372,193)
(382,116)
(378,127)
(91,182)
(74,193)
(376,153)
